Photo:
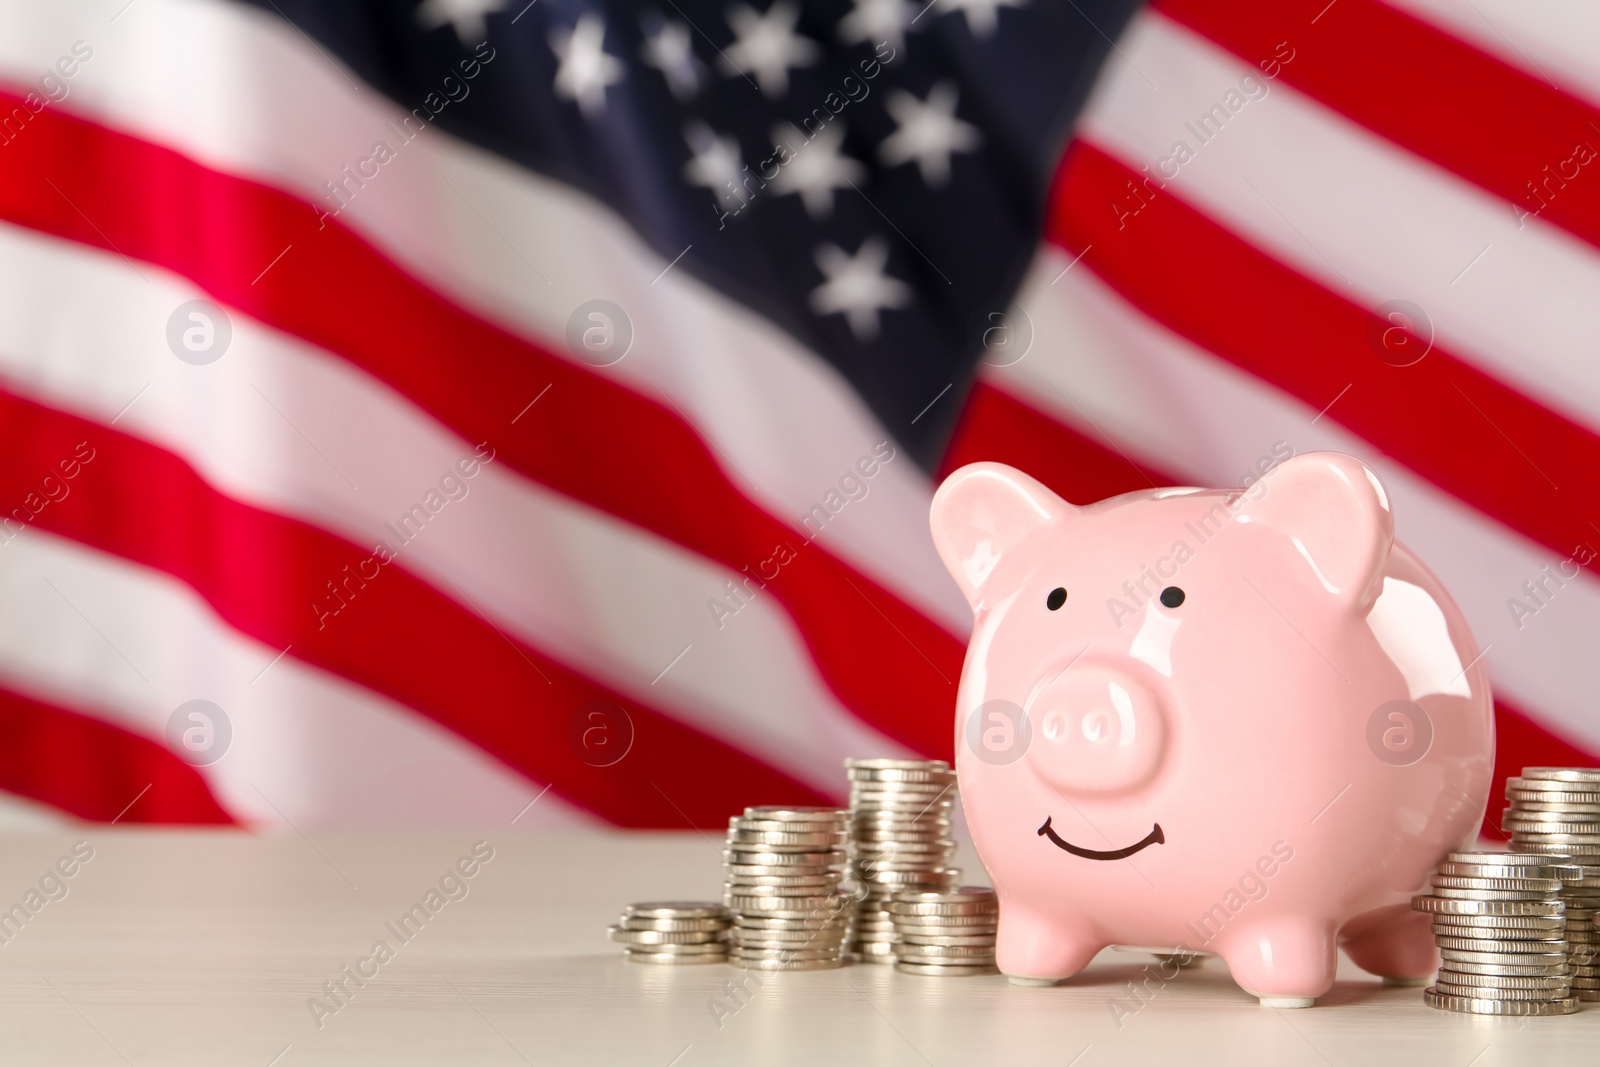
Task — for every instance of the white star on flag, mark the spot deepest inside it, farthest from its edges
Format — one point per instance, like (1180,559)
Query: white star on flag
(983,16)
(929,132)
(716,164)
(768,45)
(586,67)
(857,286)
(878,20)
(669,50)
(469,17)
(815,168)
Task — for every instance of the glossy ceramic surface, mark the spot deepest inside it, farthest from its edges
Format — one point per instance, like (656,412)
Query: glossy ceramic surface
(1242,722)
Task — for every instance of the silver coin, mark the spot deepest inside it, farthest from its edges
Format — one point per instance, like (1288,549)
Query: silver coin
(1483,1006)
(854,763)
(631,923)
(663,937)
(941,920)
(1519,883)
(1545,867)
(1525,784)
(791,965)
(758,870)
(1503,970)
(1519,947)
(949,939)
(782,938)
(1498,940)
(939,971)
(1586,994)
(676,909)
(700,949)
(1533,836)
(1551,796)
(783,841)
(784,826)
(905,776)
(947,951)
(1485,992)
(1536,808)
(754,923)
(792,913)
(1515,822)
(1519,908)
(1586,853)
(1446,893)
(786,954)
(1562,774)
(1497,859)
(798,833)
(786,813)
(663,959)
(768,858)
(784,880)
(757,898)
(1504,981)
(1556,923)
(946,877)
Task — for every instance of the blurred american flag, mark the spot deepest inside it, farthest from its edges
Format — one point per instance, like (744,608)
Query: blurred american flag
(468,410)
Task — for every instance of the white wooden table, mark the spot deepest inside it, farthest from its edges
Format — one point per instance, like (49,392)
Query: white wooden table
(204,948)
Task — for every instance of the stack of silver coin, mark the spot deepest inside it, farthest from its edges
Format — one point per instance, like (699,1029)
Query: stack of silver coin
(946,934)
(674,932)
(783,871)
(1555,812)
(1499,922)
(899,840)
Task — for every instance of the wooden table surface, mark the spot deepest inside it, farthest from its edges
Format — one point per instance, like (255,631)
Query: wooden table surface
(177,947)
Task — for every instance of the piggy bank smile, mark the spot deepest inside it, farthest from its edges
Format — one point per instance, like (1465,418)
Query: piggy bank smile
(1207,665)
(1154,837)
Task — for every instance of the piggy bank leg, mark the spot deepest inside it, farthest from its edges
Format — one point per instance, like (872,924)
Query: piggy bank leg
(1402,954)
(1286,963)
(1033,950)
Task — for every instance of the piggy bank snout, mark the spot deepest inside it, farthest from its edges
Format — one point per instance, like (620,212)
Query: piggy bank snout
(1096,730)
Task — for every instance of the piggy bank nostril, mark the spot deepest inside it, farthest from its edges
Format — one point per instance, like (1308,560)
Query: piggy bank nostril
(1102,730)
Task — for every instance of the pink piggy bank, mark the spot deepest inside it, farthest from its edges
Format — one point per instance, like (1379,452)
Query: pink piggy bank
(1237,722)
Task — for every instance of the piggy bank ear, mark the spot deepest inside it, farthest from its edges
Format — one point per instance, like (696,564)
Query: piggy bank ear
(983,511)
(1335,513)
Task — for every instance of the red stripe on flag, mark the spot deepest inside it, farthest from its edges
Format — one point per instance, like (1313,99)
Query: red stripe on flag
(1488,122)
(1004,429)
(94,770)
(1468,433)
(263,572)
(266,253)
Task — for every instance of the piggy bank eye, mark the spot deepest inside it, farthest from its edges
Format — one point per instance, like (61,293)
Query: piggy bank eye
(1057,597)
(1172,596)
